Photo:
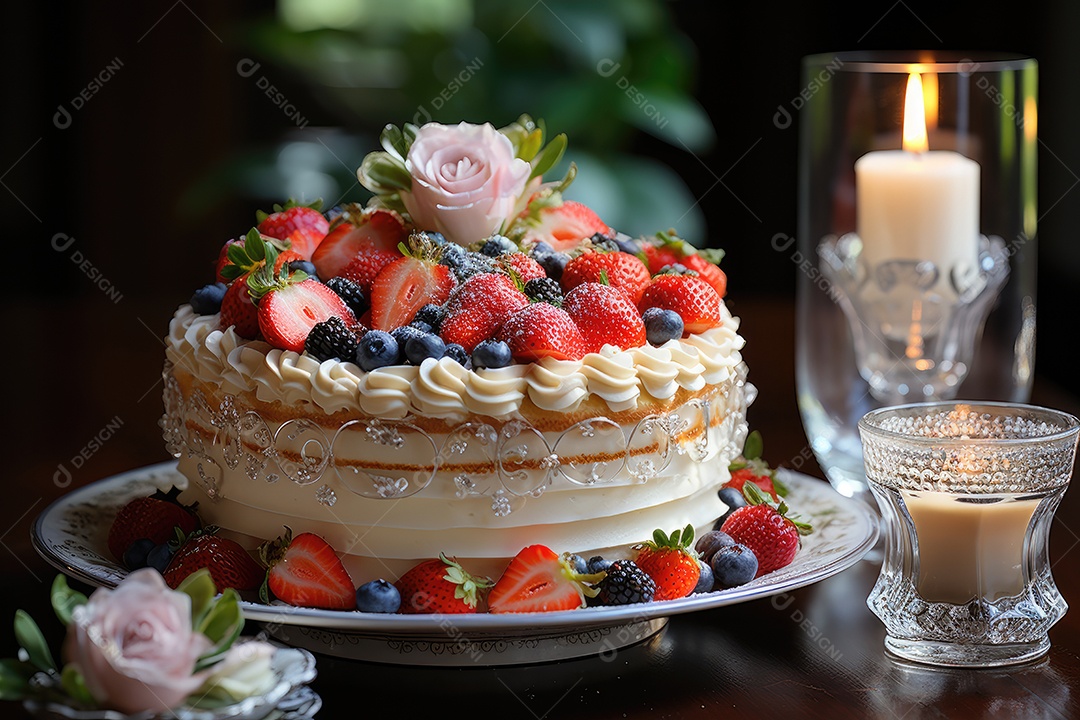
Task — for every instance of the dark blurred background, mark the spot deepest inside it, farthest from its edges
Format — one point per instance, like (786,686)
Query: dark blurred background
(140,136)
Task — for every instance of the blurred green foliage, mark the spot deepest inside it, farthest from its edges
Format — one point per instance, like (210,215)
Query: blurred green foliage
(606,72)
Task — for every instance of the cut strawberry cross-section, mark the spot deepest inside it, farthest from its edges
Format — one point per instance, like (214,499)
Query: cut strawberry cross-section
(357,230)
(408,284)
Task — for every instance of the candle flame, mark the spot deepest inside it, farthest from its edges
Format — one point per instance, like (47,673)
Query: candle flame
(915,116)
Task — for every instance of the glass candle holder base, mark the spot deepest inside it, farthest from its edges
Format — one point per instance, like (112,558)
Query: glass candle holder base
(963,655)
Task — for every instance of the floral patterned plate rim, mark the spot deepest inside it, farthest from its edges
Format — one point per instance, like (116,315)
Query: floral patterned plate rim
(71,535)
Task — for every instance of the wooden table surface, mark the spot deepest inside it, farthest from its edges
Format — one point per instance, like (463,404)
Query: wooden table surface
(816,652)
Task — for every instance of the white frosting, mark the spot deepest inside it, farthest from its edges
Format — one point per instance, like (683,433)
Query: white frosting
(443,388)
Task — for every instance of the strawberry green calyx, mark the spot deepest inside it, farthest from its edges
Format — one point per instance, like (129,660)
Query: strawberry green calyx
(752,460)
(587,583)
(270,554)
(265,280)
(754,496)
(682,540)
(246,257)
(421,247)
(713,255)
(468,586)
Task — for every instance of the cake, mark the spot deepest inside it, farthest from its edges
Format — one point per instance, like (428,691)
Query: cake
(601,425)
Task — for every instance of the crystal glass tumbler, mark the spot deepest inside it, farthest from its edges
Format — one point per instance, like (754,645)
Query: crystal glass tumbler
(916,244)
(967,494)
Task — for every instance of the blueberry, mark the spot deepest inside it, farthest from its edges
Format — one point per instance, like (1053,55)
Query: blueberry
(497,245)
(733,499)
(491,354)
(420,348)
(604,243)
(305,267)
(577,564)
(541,248)
(706,579)
(378,596)
(553,264)
(734,565)
(207,299)
(456,352)
(597,564)
(431,314)
(662,325)
(403,335)
(421,326)
(437,238)
(627,244)
(710,542)
(376,349)
(135,555)
(334,213)
(159,557)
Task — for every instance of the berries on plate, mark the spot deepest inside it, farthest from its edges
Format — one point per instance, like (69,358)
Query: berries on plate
(540,330)
(710,542)
(605,316)
(303,226)
(691,297)
(562,226)
(734,565)
(706,578)
(625,583)
(477,309)
(539,580)
(408,284)
(751,468)
(306,572)
(770,534)
(671,563)
(733,499)
(135,556)
(617,269)
(357,230)
(229,564)
(440,586)
(544,290)
(378,596)
(153,518)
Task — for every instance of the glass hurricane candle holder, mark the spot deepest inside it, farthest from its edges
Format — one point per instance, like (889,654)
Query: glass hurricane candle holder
(916,244)
(967,494)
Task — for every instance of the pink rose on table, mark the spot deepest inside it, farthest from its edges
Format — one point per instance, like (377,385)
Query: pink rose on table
(135,646)
(465,180)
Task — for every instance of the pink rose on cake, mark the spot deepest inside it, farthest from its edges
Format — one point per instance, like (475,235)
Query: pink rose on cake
(135,647)
(466,180)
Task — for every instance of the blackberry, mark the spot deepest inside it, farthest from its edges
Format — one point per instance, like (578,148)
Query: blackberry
(465,264)
(331,340)
(604,243)
(350,293)
(544,290)
(625,583)
(432,315)
(497,245)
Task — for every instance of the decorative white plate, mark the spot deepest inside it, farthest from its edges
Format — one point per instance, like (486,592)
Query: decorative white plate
(71,535)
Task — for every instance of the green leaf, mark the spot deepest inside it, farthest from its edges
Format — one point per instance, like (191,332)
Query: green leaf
(260,215)
(779,486)
(659,537)
(231,272)
(393,141)
(409,131)
(687,535)
(531,145)
(64,599)
(74,685)
(549,156)
(254,245)
(713,255)
(199,586)
(571,173)
(223,621)
(14,679)
(381,172)
(30,639)
(754,446)
(237,255)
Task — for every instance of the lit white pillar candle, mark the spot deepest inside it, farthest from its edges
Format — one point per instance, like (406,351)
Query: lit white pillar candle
(916,203)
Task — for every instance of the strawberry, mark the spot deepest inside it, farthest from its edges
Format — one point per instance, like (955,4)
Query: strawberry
(440,586)
(770,534)
(302,225)
(249,253)
(477,310)
(521,265)
(408,284)
(707,271)
(366,266)
(541,330)
(239,312)
(355,230)
(562,226)
(660,256)
(152,517)
(763,480)
(694,299)
(621,270)
(751,468)
(671,563)
(306,572)
(538,580)
(669,249)
(223,259)
(229,564)
(285,257)
(288,311)
(605,316)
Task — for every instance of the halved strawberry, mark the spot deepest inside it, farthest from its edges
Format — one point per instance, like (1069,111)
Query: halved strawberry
(302,225)
(478,309)
(562,226)
(306,572)
(620,270)
(605,316)
(440,586)
(694,299)
(355,230)
(288,312)
(366,266)
(538,580)
(540,330)
(408,284)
